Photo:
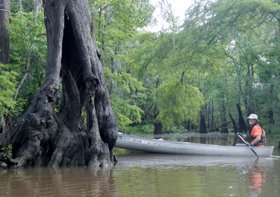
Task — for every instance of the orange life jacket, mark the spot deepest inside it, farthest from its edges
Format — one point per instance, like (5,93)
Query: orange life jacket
(255,131)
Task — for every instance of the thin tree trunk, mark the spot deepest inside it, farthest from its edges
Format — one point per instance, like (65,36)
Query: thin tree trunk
(37,6)
(4,47)
(235,129)
(241,121)
(24,77)
(271,111)
(202,124)
(224,117)
(158,130)
(202,127)
(4,36)
(212,116)
(20,5)
(234,125)
(249,97)
(224,110)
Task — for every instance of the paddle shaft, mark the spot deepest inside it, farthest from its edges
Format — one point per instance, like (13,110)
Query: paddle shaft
(248,145)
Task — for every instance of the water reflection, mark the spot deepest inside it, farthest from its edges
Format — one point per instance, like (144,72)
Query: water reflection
(57,182)
(202,176)
(150,175)
(256,179)
(162,160)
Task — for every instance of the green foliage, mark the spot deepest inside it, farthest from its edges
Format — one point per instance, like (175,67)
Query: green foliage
(127,94)
(140,128)
(8,85)
(177,102)
(6,151)
(116,21)
(126,113)
(224,37)
(27,50)
(227,51)
(120,151)
(27,5)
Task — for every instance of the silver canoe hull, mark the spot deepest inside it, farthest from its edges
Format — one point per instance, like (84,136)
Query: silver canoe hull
(188,148)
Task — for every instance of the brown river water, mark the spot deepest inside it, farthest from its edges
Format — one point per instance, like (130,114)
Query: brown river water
(151,175)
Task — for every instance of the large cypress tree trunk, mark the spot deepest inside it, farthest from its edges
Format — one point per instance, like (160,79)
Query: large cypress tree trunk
(45,137)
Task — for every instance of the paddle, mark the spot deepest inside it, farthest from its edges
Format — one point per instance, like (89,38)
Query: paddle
(248,145)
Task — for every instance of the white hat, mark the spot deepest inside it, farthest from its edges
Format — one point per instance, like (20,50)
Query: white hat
(253,116)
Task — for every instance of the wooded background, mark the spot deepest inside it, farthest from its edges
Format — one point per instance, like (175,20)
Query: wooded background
(224,59)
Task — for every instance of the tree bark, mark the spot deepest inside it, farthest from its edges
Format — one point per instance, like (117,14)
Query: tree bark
(235,129)
(44,137)
(241,121)
(4,47)
(249,96)
(37,5)
(224,129)
(158,132)
(270,113)
(202,127)
(4,38)
(234,125)
(202,124)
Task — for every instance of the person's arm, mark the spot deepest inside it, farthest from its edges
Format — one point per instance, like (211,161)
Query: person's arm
(256,140)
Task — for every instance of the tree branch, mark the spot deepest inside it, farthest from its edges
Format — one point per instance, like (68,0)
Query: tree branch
(23,78)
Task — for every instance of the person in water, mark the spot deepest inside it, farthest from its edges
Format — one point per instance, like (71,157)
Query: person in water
(256,134)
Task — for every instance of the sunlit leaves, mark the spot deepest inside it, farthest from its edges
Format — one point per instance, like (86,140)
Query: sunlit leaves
(7,88)
(177,102)
(128,94)
(126,112)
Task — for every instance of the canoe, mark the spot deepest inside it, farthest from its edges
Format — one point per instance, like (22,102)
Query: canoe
(188,148)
